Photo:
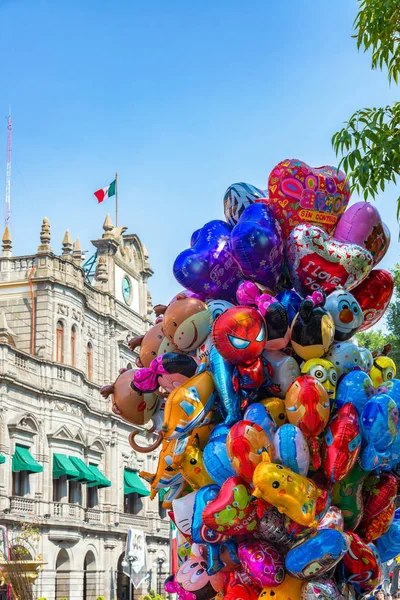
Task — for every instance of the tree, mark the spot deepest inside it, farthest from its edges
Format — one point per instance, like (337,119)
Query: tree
(372,340)
(370,141)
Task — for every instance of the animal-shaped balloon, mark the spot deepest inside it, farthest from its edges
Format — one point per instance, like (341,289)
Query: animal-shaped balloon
(233,511)
(245,443)
(342,443)
(362,565)
(291,449)
(187,322)
(237,198)
(355,387)
(276,409)
(215,456)
(168,371)
(307,406)
(188,405)
(289,589)
(346,313)
(317,554)
(274,313)
(164,476)
(347,496)
(384,368)
(239,335)
(312,329)
(190,464)
(153,343)
(228,398)
(262,562)
(345,357)
(217,307)
(292,494)
(324,372)
(379,420)
(201,534)
(192,576)
(283,370)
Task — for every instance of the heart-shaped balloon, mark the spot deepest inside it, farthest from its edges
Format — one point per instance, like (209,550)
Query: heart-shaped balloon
(257,245)
(208,267)
(237,198)
(373,295)
(299,193)
(316,261)
(233,512)
(362,224)
(262,562)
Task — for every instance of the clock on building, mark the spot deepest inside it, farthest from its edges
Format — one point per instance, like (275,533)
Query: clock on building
(127,289)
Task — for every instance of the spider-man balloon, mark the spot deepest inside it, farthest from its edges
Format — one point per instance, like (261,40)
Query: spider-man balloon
(239,334)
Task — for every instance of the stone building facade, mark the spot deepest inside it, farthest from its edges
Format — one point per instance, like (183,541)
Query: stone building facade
(63,335)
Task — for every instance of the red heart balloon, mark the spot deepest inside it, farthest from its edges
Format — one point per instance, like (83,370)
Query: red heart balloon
(232,512)
(316,261)
(299,193)
(373,295)
(362,224)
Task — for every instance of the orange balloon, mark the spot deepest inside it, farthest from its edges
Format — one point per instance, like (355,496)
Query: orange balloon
(133,406)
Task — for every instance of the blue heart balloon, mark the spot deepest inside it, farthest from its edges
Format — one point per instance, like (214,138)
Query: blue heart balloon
(257,245)
(208,268)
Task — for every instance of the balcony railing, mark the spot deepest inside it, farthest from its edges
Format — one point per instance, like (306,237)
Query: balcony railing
(22,506)
(93,515)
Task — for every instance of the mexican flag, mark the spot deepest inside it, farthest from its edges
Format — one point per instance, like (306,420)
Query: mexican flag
(106,192)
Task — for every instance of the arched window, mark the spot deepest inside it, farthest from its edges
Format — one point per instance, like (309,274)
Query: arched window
(60,342)
(89,353)
(73,342)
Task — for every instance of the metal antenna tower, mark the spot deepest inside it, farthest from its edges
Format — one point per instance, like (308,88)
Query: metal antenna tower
(7,210)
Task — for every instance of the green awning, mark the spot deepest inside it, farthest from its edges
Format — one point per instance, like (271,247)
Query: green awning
(85,475)
(101,480)
(63,466)
(162,493)
(24,461)
(2,459)
(133,483)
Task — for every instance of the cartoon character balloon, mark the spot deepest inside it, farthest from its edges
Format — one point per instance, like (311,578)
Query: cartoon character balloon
(292,494)
(342,443)
(192,576)
(319,553)
(312,329)
(346,314)
(239,334)
(379,419)
(355,387)
(289,589)
(308,407)
(324,372)
(245,443)
(384,368)
(262,562)
(187,323)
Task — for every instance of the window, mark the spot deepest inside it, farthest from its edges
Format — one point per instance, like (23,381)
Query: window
(20,483)
(89,361)
(132,504)
(59,488)
(75,492)
(73,340)
(60,342)
(92,497)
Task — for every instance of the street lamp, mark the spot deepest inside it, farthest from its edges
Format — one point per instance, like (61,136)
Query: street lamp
(160,560)
(129,559)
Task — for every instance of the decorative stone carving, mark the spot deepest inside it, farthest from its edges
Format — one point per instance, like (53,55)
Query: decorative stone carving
(62,309)
(45,237)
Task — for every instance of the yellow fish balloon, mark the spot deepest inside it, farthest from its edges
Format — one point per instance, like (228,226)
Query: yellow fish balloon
(190,463)
(164,476)
(187,406)
(292,494)
(289,589)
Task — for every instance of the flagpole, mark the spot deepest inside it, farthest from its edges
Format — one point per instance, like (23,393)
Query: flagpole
(116,199)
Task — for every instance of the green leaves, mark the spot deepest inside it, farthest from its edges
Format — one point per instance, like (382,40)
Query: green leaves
(370,149)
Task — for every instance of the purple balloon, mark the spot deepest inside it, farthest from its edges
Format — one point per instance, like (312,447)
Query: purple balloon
(262,562)
(257,245)
(208,268)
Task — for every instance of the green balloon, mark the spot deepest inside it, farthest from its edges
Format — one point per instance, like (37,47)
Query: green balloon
(347,495)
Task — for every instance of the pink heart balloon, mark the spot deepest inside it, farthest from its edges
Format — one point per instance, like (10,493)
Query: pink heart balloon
(298,193)
(362,224)
(262,562)
(316,261)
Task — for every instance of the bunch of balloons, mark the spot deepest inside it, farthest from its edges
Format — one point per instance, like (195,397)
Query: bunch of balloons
(280,437)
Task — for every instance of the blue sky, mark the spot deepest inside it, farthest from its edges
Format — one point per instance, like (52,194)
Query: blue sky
(183,98)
